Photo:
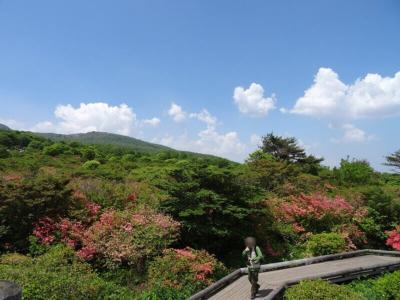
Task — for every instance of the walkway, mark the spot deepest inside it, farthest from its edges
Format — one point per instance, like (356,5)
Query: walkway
(275,277)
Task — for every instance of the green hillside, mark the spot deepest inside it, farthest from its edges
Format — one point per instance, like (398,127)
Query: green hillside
(107,140)
(4,127)
(104,138)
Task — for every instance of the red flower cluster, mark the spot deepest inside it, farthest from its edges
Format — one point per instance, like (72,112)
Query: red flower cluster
(44,231)
(316,205)
(394,238)
(185,252)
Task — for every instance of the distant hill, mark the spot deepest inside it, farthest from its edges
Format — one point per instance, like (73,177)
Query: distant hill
(104,138)
(4,127)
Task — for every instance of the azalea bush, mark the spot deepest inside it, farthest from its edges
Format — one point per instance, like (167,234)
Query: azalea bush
(115,238)
(394,238)
(300,216)
(128,237)
(185,269)
(314,213)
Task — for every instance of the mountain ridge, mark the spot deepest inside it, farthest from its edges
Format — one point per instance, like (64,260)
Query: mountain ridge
(4,127)
(113,139)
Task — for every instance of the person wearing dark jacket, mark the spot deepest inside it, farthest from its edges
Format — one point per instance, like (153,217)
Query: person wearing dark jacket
(253,256)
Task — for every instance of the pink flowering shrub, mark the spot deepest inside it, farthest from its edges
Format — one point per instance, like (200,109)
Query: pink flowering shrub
(394,238)
(115,237)
(316,213)
(186,268)
(128,237)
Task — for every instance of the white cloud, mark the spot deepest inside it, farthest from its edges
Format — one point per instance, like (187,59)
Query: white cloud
(154,122)
(228,144)
(206,117)
(45,126)
(13,124)
(88,117)
(352,134)
(208,141)
(177,113)
(252,102)
(255,140)
(371,96)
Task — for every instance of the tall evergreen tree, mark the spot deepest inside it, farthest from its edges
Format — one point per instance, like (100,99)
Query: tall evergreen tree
(393,160)
(287,149)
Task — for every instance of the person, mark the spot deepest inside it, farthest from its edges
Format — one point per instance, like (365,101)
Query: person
(253,256)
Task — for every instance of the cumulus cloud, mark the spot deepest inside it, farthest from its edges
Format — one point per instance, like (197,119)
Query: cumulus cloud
(228,144)
(177,113)
(252,101)
(206,117)
(255,139)
(208,141)
(371,96)
(45,126)
(88,117)
(352,134)
(154,122)
(13,124)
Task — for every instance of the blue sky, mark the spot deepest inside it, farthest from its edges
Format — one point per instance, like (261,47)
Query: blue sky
(207,76)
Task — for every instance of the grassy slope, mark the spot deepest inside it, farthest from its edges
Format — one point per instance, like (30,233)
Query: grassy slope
(104,138)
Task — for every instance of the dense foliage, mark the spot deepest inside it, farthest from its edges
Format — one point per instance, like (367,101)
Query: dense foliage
(58,274)
(162,224)
(322,290)
(385,287)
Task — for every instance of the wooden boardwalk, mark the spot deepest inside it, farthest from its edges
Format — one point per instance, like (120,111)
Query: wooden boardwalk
(240,289)
(275,277)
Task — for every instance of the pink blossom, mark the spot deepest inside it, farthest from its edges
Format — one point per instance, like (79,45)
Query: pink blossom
(127,227)
(185,252)
(394,238)
(93,208)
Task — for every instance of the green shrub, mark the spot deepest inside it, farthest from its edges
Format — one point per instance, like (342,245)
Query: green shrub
(58,275)
(355,172)
(325,243)
(55,149)
(161,292)
(367,288)
(321,290)
(23,203)
(390,285)
(386,287)
(88,154)
(4,152)
(91,165)
(37,145)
